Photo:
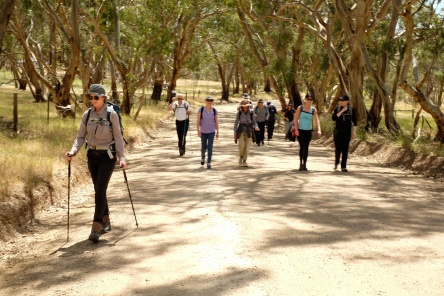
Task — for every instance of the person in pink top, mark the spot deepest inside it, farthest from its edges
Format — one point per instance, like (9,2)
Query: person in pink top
(207,129)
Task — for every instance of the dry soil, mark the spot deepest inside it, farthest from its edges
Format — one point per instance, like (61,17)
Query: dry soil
(263,230)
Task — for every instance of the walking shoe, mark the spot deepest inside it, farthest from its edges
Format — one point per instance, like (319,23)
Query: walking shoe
(344,170)
(202,161)
(181,152)
(301,167)
(106,227)
(305,167)
(262,143)
(240,161)
(244,163)
(95,232)
(336,166)
(209,165)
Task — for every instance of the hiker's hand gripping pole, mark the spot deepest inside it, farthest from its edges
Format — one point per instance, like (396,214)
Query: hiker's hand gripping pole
(129,193)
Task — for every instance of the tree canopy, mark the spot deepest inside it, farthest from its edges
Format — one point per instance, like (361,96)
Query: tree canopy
(375,51)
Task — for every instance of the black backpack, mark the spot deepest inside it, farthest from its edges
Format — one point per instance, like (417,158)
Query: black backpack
(111,107)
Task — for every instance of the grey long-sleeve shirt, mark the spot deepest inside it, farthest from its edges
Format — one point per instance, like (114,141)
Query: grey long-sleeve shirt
(97,131)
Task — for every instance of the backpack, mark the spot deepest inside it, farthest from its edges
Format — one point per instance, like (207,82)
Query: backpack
(201,112)
(252,120)
(290,133)
(240,112)
(111,107)
(185,106)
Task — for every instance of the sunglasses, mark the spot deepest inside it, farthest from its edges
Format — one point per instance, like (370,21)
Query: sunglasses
(209,100)
(95,98)
(179,99)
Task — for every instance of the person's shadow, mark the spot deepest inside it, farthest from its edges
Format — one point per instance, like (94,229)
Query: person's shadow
(86,245)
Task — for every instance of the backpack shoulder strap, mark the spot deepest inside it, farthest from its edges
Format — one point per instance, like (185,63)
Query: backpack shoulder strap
(109,109)
(201,111)
(87,116)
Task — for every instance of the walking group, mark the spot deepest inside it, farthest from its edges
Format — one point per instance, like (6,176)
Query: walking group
(251,121)
(101,133)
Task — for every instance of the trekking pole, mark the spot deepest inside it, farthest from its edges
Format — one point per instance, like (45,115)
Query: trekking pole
(129,193)
(69,193)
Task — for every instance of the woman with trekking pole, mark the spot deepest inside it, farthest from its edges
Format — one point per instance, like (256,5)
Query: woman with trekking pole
(101,133)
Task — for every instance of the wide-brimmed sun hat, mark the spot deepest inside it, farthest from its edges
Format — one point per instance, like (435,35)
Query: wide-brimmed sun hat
(97,89)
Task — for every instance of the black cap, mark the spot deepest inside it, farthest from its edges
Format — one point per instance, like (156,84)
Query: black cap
(344,98)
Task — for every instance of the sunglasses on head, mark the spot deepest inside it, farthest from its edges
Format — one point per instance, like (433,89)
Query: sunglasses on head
(93,97)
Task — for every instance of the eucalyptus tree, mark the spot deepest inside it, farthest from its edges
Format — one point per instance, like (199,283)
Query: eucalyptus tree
(30,31)
(434,43)
(259,34)
(225,46)
(6,9)
(186,29)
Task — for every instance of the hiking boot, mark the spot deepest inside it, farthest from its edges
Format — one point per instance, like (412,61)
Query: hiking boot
(244,163)
(305,167)
(301,167)
(209,165)
(202,161)
(95,232)
(344,170)
(106,227)
(181,152)
(240,161)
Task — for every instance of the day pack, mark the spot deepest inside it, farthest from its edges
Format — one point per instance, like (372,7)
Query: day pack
(201,111)
(111,107)
(291,135)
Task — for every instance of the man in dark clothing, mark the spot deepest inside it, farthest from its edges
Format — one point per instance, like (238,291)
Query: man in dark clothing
(345,129)
(271,119)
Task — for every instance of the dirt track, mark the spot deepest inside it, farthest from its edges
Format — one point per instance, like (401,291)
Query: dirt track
(263,230)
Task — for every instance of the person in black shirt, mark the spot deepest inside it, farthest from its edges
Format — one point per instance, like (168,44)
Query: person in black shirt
(288,117)
(345,129)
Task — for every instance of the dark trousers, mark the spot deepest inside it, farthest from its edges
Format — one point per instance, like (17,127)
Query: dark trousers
(260,133)
(101,168)
(270,128)
(342,142)
(182,129)
(304,139)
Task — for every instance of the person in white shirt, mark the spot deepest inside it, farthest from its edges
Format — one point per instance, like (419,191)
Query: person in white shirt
(182,110)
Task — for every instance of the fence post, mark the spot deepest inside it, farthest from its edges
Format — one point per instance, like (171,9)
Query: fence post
(15,113)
